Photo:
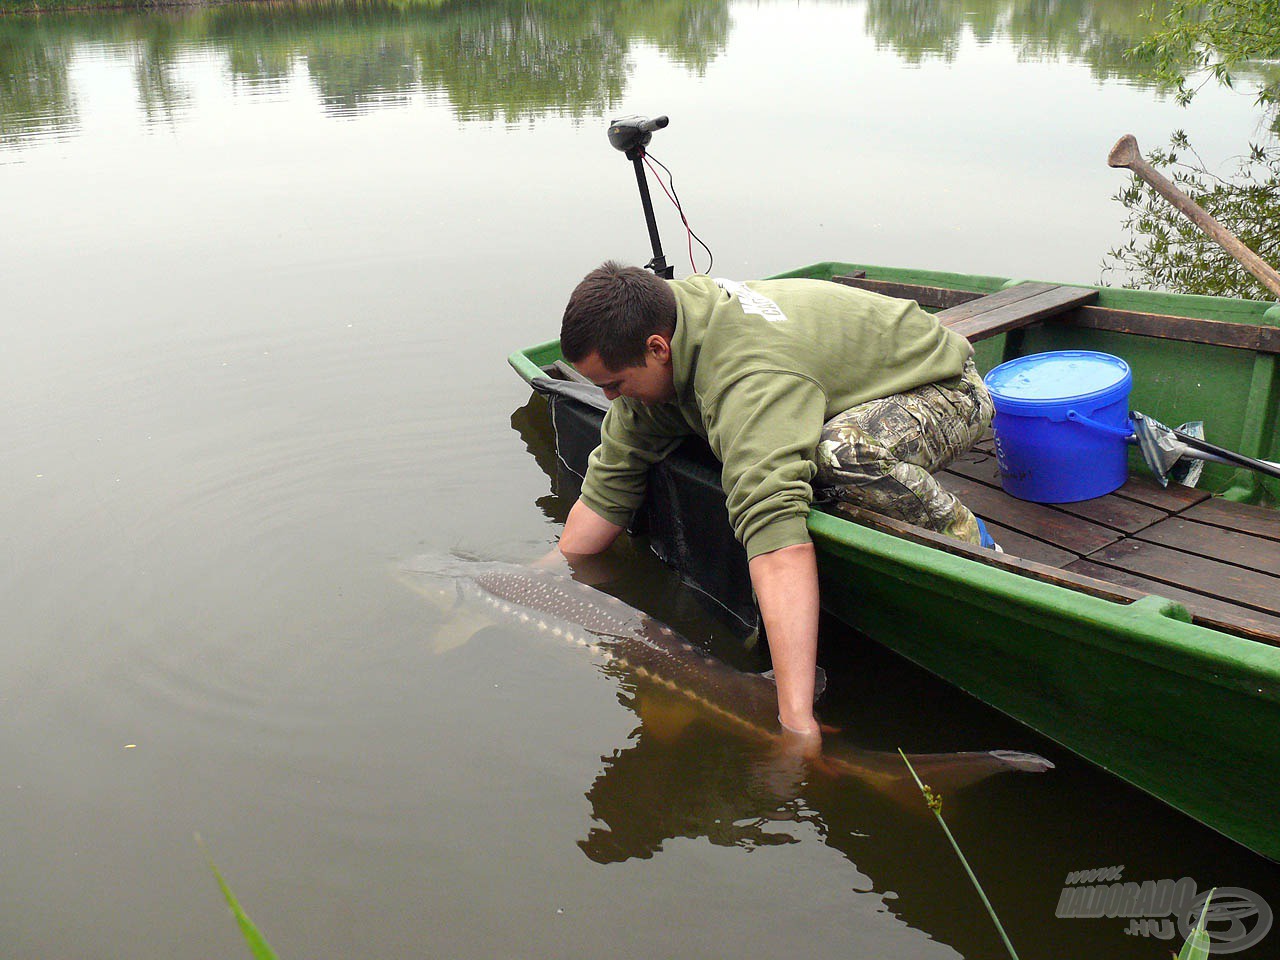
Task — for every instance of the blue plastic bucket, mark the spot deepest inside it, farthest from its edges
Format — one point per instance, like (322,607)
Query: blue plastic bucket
(1061,424)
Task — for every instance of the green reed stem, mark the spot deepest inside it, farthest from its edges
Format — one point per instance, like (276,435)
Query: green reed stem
(935,805)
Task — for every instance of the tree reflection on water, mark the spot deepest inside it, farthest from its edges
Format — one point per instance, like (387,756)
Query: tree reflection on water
(501,60)
(1095,32)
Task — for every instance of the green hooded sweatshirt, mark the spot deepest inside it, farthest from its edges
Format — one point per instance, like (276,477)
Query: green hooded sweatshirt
(758,369)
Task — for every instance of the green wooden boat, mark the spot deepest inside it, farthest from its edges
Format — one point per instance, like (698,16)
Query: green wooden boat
(1140,630)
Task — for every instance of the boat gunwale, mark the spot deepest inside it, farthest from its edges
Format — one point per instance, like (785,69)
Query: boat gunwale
(1142,623)
(1264,313)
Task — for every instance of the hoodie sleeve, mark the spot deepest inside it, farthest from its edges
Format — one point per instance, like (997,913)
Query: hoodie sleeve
(765,427)
(633,438)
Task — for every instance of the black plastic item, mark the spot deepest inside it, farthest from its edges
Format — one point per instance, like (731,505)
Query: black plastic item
(684,513)
(631,135)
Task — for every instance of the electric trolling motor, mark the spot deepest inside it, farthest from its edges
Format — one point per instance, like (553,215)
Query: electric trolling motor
(631,135)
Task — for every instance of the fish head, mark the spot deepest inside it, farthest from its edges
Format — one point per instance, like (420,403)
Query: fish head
(440,581)
(433,582)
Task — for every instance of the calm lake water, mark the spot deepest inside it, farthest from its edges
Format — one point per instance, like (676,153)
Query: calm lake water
(261,266)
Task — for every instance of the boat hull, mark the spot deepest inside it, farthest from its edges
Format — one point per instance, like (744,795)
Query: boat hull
(1185,713)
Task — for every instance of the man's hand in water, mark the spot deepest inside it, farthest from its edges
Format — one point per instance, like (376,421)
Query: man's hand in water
(789,763)
(583,542)
(804,744)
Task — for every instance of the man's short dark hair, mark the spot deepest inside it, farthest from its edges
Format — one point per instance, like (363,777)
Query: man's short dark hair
(613,311)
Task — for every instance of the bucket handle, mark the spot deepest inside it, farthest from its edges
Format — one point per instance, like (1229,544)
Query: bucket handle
(1123,433)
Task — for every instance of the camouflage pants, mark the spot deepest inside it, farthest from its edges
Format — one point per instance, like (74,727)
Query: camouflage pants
(880,455)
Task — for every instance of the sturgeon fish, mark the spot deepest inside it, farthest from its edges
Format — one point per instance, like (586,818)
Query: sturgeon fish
(653,653)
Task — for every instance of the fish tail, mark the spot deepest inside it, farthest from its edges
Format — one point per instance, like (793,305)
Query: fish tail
(1026,762)
(955,771)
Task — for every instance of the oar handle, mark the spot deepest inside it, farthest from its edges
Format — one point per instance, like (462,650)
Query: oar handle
(1229,456)
(1126,154)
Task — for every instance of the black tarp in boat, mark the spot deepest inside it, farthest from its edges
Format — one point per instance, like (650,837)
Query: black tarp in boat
(684,513)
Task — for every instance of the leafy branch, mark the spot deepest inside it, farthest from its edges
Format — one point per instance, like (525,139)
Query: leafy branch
(1215,39)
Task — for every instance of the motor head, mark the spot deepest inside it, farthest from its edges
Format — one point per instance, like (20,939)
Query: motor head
(632,134)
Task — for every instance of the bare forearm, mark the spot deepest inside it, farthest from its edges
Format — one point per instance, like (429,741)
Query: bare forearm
(586,532)
(786,585)
(582,547)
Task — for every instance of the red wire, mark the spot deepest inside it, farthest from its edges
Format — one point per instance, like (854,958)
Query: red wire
(688,229)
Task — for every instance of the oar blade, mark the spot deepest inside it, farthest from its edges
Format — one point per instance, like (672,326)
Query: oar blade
(1188,468)
(1160,449)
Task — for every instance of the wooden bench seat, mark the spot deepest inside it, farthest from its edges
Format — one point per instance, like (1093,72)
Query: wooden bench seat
(979,317)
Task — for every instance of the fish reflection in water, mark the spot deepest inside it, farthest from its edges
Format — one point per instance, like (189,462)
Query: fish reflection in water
(673,685)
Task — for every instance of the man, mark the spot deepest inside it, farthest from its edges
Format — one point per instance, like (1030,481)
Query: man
(788,380)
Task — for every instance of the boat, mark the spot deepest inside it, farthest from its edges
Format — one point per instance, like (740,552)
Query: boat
(1139,630)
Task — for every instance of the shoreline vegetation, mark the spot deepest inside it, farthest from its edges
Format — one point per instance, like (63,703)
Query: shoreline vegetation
(8,7)
(36,7)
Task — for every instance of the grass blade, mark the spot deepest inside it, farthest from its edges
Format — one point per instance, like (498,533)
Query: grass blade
(258,946)
(1198,944)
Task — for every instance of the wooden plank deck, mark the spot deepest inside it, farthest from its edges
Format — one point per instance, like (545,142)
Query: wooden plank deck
(1219,559)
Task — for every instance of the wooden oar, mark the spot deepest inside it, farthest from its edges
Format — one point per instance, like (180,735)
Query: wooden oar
(1126,154)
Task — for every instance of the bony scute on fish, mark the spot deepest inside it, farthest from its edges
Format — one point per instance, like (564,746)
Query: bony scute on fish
(653,653)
